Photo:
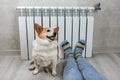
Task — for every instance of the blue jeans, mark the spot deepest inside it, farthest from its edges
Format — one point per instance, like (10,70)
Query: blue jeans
(80,69)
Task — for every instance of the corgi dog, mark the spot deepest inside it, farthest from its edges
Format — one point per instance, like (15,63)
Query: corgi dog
(44,53)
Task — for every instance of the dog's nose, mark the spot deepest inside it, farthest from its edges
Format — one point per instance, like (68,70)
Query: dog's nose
(54,34)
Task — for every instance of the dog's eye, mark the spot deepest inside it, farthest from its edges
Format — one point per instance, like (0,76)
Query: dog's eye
(48,30)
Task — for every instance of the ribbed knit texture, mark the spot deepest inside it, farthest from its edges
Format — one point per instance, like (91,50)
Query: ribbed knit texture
(67,48)
(79,47)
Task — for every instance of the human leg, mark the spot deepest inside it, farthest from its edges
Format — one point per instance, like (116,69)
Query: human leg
(87,70)
(71,71)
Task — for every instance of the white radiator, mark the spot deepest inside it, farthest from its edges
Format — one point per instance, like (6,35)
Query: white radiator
(75,23)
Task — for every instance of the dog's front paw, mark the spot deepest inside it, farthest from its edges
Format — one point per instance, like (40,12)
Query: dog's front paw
(54,74)
(35,72)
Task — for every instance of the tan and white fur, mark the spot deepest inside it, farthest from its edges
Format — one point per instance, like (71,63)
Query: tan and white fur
(44,53)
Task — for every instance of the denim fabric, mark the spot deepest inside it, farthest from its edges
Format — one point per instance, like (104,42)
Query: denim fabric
(71,71)
(77,67)
(87,70)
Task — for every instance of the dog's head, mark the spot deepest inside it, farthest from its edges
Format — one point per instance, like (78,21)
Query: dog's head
(46,33)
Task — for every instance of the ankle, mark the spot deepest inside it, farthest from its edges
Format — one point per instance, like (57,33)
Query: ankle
(77,55)
(70,55)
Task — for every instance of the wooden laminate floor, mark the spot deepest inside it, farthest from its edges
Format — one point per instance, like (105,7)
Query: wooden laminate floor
(13,68)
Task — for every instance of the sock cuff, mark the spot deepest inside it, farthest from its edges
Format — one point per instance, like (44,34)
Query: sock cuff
(70,55)
(73,55)
(78,54)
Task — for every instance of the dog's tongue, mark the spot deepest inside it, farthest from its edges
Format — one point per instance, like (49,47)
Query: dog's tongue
(52,38)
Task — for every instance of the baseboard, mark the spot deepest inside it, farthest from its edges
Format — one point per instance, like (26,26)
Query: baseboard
(9,52)
(97,50)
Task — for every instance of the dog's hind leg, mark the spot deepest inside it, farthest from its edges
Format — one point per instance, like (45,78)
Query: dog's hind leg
(31,64)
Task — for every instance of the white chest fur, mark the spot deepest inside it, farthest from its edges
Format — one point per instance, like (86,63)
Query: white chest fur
(44,48)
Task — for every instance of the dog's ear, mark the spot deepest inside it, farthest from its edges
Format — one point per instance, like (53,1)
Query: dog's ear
(56,29)
(38,28)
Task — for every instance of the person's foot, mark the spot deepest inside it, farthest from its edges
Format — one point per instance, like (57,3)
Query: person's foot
(67,48)
(79,48)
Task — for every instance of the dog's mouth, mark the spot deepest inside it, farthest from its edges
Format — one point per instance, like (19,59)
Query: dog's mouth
(52,38)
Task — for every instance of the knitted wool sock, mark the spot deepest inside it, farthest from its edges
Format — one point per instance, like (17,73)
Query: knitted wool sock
(67,48)
(79,48)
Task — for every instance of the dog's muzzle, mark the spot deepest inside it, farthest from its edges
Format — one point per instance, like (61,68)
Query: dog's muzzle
(52,38)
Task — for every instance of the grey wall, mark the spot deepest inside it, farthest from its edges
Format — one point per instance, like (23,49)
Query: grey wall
(106,29)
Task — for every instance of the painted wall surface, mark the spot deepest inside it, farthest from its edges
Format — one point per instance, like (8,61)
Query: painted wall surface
(106,30)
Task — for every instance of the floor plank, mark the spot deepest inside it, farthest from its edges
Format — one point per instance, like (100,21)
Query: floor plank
(107,64)
(13,68)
